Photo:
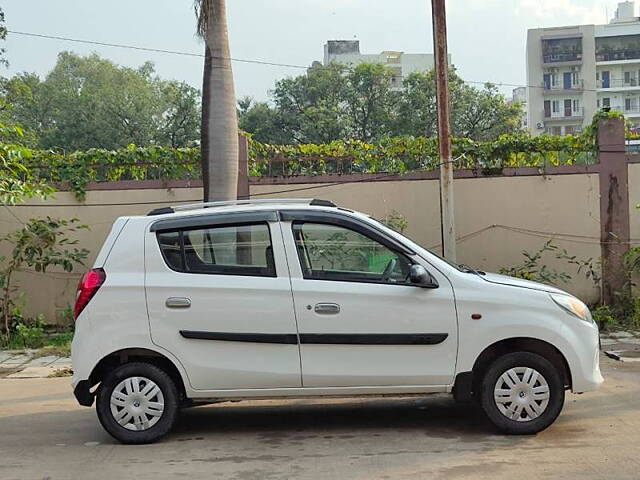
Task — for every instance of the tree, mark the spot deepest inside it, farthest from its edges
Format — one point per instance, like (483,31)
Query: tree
(310,107)
(480,114)
(335,101)
(87,102)
(219,125)
(178,120)
(262,120)
(369,101)
(3,36)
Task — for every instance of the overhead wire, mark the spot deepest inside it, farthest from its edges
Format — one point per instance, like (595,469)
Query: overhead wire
(233,59)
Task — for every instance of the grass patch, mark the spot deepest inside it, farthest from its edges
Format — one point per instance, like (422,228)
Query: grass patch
(61,372)
(51,351)
(58,344)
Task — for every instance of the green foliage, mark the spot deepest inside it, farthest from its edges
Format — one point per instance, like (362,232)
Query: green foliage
(16,179)
(308,108)
(3,36)
(262,120)
(533,269)
(479,114)
(396,221)
(369,102)
(403,154)
(631,259)
(87,102)
(602,114)
(604,316)
(395,155)
(39,244)
(31,335)
(625,311)
(130,163)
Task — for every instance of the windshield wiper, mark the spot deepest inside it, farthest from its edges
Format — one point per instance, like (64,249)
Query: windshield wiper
(468,269)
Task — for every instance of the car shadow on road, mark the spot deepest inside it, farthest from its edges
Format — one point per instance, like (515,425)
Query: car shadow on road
(437,417)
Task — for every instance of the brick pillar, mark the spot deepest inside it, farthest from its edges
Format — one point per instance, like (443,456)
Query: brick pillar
(243,167)
(614,207)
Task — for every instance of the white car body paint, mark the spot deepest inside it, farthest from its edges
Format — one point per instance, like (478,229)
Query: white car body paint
(129,312)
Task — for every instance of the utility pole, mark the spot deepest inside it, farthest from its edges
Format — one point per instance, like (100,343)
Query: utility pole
(448,228)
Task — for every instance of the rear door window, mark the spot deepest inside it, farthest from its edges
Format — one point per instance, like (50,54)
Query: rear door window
(221,249)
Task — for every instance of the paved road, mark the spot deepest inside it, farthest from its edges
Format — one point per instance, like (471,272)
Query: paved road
(45,435)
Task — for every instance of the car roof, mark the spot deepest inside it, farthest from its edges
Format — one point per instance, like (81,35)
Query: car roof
(233,206)
(237,205)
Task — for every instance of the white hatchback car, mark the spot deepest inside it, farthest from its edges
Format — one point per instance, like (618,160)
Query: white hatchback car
(291,298)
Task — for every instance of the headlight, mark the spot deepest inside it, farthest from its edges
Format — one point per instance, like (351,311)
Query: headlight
(573,306)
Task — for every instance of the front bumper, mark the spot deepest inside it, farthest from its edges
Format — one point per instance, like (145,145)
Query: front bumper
(586,370)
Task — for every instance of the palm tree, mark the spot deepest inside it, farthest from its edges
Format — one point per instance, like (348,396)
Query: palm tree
(219,127)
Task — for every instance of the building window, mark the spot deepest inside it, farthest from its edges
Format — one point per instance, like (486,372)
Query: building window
(576,105)
(555,106)
(556,130)
(574,78)
(606,102)
(554,79)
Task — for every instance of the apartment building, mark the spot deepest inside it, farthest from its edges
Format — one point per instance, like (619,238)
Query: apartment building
(572,71)
(402,64)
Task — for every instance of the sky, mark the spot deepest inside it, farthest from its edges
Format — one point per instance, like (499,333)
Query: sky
(486,38)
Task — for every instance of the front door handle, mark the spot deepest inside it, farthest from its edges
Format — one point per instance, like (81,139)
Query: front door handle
(177,302)
(327,308)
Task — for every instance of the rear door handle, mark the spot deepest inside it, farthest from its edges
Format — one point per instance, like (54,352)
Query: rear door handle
(177,302)
(327,308)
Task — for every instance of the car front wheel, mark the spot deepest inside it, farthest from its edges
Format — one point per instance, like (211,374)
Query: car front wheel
(522,393)
(137,403)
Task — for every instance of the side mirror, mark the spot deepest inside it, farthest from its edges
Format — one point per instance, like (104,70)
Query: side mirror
(419,276)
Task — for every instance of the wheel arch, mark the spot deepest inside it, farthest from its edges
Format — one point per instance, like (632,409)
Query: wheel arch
(467,383)
(128,355)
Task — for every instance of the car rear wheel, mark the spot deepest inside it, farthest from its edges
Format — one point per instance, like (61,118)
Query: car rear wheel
(522,393)
(137,403)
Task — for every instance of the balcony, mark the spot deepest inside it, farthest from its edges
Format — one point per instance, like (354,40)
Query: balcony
(615,56)
(618,83)
(632,110)
(563,88)
(618,48)
(562,57)
(562,50)
(564,114)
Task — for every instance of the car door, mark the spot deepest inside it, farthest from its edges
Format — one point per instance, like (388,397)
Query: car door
(360,321)
(219,299)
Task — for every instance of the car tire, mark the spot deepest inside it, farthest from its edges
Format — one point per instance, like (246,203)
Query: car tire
(522,393)
(137,403)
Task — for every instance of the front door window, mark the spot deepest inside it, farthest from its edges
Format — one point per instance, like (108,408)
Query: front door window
(331,252)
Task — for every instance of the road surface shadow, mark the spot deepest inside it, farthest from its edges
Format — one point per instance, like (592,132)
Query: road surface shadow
(438,417)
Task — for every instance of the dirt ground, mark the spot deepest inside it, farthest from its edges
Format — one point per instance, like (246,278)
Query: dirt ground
(44,434)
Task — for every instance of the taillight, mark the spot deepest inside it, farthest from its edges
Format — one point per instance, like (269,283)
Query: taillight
(87,288)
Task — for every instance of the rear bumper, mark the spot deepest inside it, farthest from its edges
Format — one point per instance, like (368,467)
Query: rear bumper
(83,394)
